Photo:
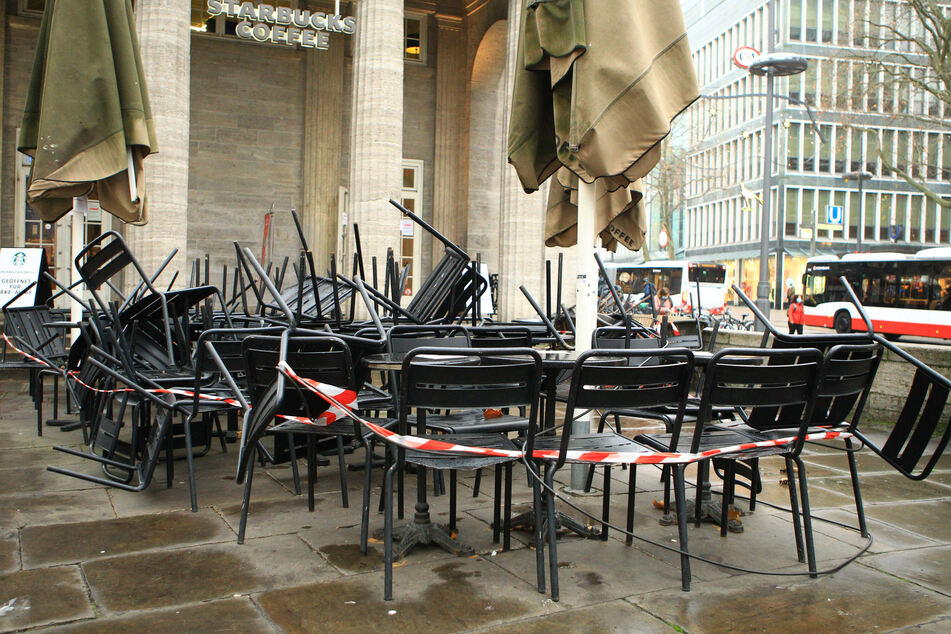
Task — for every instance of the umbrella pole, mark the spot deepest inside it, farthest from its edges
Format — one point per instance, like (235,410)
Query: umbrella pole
(586,303)
(77,242)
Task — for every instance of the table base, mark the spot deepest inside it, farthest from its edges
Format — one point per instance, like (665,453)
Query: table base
(526,522)
(419,533)
(710,511)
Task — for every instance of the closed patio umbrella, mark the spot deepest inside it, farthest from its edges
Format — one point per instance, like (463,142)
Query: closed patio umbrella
(597,83)
(87,121)
(596,86)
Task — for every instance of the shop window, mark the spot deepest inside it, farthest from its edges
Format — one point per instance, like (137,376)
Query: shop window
(414,37)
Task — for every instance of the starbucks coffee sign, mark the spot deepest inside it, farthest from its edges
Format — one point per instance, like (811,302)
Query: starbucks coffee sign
(283,25)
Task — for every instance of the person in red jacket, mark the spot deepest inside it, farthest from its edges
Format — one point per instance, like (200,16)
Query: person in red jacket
(795,315)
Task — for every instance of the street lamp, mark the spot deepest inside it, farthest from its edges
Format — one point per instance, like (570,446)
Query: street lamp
(861,177)
(771,65)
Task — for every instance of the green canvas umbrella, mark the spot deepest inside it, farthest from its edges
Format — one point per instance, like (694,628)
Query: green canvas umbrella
(87,122)
(597,84)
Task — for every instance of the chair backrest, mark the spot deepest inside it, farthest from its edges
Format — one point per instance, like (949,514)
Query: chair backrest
(402,339)
(469,378)
(778,386)
(28,325)
(501,336)
(324,358)
(620,379)
(921,433)
(845,382)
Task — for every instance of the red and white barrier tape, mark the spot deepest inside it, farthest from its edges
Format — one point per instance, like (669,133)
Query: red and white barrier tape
(329,393)
(341,403)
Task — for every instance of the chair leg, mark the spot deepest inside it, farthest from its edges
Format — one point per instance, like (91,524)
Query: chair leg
(680,505)
(192,487)
(507,522)
(477,484)
(342,466)
(452,501)
(401,492)
(665,476)
(38,402)
(538,535)
(631,490)
(726,496)
(806,517)
(365,507)
(294,470)
(246,498)
(497,506)
(754,483)
(856,489)
(388,533)
(794,508)
(606,504)
(552,535)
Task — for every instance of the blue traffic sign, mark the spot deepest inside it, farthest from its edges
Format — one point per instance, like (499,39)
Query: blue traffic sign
(835,215)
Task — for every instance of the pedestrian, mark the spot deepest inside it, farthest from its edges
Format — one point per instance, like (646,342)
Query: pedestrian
(662,302)
(790,293)
(795,315)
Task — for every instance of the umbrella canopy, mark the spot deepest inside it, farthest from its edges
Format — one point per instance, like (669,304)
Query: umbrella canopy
(595,90)
(87,116)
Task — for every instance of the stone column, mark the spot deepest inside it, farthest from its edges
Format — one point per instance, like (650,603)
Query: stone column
(376,154)
(165,43)
(450,186)
(323,145)
(522,240)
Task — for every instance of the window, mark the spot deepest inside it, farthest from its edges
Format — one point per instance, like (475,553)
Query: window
(841,137)
(32,7)
(884,216)
(842,85)
(825,149)
(843,20)
(792,147)
(854,213)
(808,149)
(791,211)
(812,20)
(414,37)
(828,15)
(795,20)
(855,153)
(870,215)
(412,198)
(858,23)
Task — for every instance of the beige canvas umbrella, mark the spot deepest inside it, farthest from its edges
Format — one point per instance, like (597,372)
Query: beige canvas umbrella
(87,121)
(597,84)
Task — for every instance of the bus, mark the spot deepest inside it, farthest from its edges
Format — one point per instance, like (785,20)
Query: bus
(903,294)
(680,277)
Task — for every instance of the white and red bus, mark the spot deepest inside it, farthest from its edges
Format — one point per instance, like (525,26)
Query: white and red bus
(903,294)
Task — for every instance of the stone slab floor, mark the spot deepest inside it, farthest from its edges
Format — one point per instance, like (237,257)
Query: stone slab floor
(77,556)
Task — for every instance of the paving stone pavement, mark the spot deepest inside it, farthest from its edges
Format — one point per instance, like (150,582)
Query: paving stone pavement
(78,557)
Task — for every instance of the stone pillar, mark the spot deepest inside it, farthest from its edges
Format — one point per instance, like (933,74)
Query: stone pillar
(323,145)
(165,43)
(450,186)
(523,216)
(376,154)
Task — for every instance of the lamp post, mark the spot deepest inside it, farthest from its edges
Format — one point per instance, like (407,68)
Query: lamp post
(770,65)
(861,177)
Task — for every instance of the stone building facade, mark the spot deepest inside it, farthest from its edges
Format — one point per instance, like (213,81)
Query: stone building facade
(412,105)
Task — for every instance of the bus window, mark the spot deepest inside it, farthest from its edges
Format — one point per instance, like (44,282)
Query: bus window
(891,291)
(942,298)
(671,279)
(625,282)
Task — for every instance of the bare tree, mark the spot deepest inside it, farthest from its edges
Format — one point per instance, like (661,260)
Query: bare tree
(911,64)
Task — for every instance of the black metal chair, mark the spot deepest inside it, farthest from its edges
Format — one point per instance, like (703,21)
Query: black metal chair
(777,391)
(605,379)
(489,378)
